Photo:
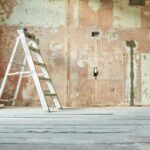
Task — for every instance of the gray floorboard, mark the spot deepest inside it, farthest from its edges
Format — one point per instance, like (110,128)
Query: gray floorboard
(73,129)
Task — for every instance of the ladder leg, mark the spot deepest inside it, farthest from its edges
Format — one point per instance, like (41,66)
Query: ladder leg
(57,103)
(19,80)
(8,68)
(34,74)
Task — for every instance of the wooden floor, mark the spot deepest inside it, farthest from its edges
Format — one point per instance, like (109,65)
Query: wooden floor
(75,129)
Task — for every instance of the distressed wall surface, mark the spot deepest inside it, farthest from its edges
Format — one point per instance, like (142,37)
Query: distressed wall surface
(145,63)
(64,29)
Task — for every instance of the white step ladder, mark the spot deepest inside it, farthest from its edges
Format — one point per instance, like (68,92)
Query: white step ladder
(29,43)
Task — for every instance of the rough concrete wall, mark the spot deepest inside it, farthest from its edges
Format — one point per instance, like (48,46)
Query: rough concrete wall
(46,19)
(64,29)
(45,13)
(126,16)
(145,63)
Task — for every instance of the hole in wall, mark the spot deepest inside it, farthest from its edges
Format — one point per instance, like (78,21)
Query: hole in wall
(95,34)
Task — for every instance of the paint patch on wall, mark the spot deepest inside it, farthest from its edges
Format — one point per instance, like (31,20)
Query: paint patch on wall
(82,56)
(76,13)
(6,8)
(95,5)
(147,13)
(145,73)
(29,91)
(148,35)
(112,35)
(55,47)
(126,16)
(3,15)
(45,13)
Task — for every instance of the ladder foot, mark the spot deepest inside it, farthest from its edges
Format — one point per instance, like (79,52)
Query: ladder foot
(47,110)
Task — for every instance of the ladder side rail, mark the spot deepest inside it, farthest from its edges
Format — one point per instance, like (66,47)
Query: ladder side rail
(34,75)
(49,83)
(56,98)
(57,102)
(9,66)
(46,74)
(40,92)
(19,81)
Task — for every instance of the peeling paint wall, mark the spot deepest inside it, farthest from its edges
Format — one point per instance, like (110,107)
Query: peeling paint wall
(95,5)
(145,63)
(126,16)
(76,13)
(64,28)
(47,13)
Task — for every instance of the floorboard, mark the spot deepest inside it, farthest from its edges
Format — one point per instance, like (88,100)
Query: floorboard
(112,128)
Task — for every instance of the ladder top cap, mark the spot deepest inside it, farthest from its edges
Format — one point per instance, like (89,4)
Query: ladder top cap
(28,35)
(20,31)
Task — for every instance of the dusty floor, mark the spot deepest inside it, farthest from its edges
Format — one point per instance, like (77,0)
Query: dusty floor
(111,128)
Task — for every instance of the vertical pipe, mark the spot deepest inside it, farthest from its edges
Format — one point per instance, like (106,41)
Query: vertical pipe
(132,45)
(132,77)
(68,103)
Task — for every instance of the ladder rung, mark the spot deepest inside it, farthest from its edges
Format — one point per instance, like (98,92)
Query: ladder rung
(43,78)
(47,93)
(39,64)
(29,35)
(34,49)
(17,73)
(6,100)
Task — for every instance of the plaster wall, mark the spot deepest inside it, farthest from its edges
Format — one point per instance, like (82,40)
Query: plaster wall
(64,29)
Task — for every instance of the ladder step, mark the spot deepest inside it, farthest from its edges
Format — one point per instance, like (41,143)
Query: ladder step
(6,100)
(17,73)
(39,64)
(47,93)
(43,78)
(34,49)
(29,35)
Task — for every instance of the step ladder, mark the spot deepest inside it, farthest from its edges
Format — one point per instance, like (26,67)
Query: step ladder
(30,45)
